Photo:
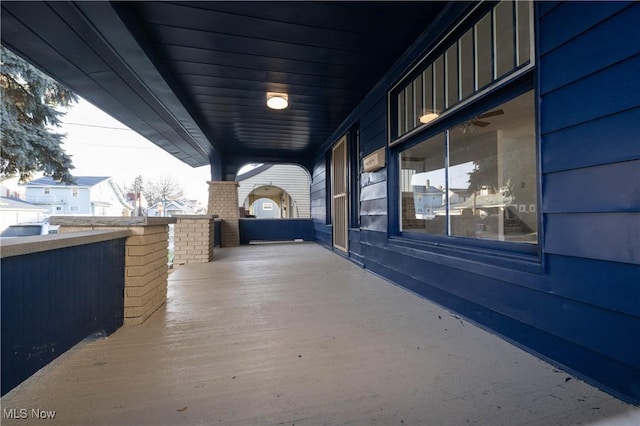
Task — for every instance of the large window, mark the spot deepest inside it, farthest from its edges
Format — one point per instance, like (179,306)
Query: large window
(474,173)
(495,47)
(476,179)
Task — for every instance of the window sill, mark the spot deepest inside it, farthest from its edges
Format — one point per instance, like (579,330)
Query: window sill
(473,259)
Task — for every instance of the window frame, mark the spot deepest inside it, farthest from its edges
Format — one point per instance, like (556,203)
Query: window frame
(522,78)
(522,251)
(439,52)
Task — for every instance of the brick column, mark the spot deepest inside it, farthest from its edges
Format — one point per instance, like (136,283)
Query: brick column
(146,258)
(223,201)
(146,272)
(194,238)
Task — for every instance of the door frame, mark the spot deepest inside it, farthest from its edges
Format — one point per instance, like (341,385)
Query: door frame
(340,195)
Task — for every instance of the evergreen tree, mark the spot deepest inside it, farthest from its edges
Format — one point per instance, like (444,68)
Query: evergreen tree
(28,111)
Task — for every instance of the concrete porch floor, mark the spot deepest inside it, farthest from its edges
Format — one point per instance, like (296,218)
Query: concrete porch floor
(293,334)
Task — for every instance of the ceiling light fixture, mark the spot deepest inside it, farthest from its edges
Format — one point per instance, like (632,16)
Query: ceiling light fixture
(277,100)
(428,117)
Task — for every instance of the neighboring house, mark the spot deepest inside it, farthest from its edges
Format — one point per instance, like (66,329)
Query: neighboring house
(14,210)
(139,203)
(287,185)
(90,195)
(175,208)
(265,208)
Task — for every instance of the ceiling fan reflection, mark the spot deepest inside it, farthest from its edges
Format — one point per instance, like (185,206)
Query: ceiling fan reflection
(470,125)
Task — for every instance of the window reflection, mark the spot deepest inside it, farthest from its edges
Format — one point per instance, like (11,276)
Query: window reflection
(524,31)
(422,183)
(402,113)
(490,192)
(408,100)
(504,38)
(439,87)
(497,45)
(452,75)
(484,52)
(466,65)
(428,105)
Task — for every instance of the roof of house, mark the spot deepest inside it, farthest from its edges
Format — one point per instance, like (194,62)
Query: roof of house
(253,172)
(80,181)
(121,197)
(184,205)
(10,203)
(485,202)
(461,191)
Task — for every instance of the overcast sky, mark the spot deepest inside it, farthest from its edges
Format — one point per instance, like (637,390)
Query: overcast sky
(102,146)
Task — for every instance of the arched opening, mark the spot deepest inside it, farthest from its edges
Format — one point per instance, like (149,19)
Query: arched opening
(287,185)
(270,201)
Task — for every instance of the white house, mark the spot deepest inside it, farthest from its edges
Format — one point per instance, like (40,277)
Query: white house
(14,210)
(175,208)
(284,189)
(89,195)
(139,203)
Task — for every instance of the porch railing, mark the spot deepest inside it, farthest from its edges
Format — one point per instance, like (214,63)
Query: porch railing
(275,230)
(56,290)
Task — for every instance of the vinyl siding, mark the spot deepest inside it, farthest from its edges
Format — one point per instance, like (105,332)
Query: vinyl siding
(291,178)
(591,204)
(319,208)
(373,192)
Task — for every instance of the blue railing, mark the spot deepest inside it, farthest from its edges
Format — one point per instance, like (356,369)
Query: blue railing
(275,230)
(53,299)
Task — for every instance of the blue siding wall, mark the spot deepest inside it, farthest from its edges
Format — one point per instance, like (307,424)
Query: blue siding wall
(578,304)
(588,81)
(319,208)
(590,149)
(373,192)
(52,300)
(373,201)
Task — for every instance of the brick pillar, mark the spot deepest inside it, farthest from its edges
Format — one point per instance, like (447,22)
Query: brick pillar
(146,272)
(146,258)
(194,238)
(223,201)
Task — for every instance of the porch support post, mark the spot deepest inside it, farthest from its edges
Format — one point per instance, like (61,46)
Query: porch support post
(223,201)
(146,257)
(194,238)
